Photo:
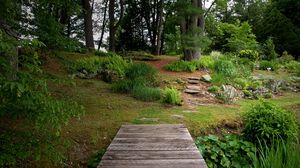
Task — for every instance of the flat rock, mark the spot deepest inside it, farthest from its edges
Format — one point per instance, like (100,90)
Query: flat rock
(189,111)
(192,87)
(190,91)
(193,81)
(177,116)
(149,119)
(193,78)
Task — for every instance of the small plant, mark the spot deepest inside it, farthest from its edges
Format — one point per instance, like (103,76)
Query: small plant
(241,83)
(265,65)
(214,89)
(171,96)
(247,93)
(104,54)
(249,54)
(267,122)
(146,93)
(231,151)
(268,95)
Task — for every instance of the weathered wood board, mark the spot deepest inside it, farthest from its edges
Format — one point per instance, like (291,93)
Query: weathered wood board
(152,146)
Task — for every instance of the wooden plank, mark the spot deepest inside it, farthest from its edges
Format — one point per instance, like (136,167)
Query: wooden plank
(153,129)
(152,140)
(169,163)
(143,155)
(153,135)
(152,146)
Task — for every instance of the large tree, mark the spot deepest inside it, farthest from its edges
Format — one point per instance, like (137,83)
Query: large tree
(88,23)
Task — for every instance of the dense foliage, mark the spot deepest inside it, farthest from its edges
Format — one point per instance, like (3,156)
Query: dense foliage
(230,151)
(267,122)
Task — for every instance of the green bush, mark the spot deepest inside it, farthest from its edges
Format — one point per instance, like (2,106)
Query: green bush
(225,67)
(214,89)
(249,54)
(281,154)
(206,62)
(146,93)
(264,65)
(231,151)
(181,66)
(286,58)
(247,93)
(104,54)
(266,122)
(293,66)
(171,96)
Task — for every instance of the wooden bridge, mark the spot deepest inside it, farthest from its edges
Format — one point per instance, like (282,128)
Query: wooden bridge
(152,146)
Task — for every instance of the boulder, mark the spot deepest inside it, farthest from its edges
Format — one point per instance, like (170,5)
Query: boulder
(109,76)
(230,93)
(206,78)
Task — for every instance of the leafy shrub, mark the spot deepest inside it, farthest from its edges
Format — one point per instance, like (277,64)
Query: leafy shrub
(27,98)
(241,83)
(230,151)
(255,84)
(264,65)
(180,66)
(293,66)
(246,62)
(225,67)
(266,122)
(214,89)
(206,62)
(216,54)
(171,96)
(286,57)
(146,93)
(250,54)
(281,154)
(219,79)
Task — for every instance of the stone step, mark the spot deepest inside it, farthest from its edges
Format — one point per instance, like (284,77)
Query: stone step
(192,87)
(193,81)
(190,91)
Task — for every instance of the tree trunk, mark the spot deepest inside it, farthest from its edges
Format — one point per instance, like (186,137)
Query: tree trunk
(189,27)
(103,25)
(112,25)
(112,31)
(88,24)
(160,15)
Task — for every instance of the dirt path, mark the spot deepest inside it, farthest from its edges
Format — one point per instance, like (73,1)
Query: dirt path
(191,102)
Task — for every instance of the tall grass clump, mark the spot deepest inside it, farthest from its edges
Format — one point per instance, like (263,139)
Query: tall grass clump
(281,154)
(146,93)
(268,122)
(138,81)
(171,96)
